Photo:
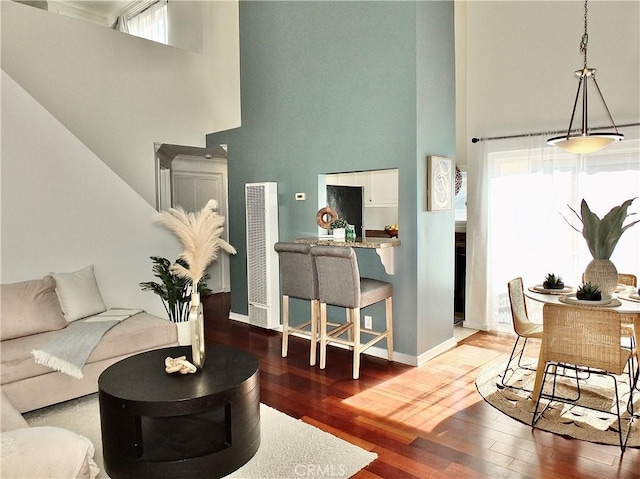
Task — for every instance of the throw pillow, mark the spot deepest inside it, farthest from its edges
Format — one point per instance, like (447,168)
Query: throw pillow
(79,294)
(30,307)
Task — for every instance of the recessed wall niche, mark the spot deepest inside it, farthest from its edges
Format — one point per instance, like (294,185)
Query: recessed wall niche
(189,177)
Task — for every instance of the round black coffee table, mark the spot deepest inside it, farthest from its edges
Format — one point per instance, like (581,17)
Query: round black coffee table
(198,425)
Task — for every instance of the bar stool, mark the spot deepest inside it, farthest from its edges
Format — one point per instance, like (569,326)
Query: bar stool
(298,280)
(340,284)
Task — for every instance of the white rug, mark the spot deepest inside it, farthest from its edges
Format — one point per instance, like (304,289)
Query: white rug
(289,448)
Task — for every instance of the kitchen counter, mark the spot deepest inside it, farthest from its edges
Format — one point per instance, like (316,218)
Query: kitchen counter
(383,246)
(359,243)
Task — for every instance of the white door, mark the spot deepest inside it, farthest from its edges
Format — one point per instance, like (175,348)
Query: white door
(194,182)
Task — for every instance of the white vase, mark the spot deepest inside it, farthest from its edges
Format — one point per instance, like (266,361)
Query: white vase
(339,233)
(196,318)
(184,333)
(603,273)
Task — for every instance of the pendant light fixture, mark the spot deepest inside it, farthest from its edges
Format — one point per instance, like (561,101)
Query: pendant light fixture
(585,141)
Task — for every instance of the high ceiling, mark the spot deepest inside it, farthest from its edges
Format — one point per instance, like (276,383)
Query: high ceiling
(100,11)
(99,7)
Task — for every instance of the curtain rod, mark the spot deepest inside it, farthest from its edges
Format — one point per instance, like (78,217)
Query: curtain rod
(541,133)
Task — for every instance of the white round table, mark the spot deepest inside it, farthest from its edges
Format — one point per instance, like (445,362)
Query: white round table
(626,307)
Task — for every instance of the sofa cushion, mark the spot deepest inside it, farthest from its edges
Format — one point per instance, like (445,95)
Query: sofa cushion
(29,307)
(138,333)
(79,294)
(10,417)
(37,452)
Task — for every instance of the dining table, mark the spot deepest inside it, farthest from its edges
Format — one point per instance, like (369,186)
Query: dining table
(624,301)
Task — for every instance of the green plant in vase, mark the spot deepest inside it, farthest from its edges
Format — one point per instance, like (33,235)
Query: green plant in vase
(602,236)
(338,223)
(174,290)
(338,228)
(551,281)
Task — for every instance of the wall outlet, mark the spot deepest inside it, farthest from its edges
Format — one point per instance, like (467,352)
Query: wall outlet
(368,322)
(301,196)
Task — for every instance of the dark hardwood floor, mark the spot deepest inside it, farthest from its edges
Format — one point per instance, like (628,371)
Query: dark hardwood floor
(423,422)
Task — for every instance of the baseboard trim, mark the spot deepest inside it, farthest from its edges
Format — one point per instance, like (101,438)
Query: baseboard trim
(436,351)
(243,318)
(376,351)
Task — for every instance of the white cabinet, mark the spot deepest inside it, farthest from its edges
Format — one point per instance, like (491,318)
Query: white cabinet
(380,186)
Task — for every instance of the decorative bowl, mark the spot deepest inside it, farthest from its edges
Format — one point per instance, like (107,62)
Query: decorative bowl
(391,232)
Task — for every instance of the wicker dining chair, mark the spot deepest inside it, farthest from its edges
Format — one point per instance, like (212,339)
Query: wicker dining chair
(628,332)
(624,278)
(628,335)
(627,320)
(585,339)
(628,279)
(523,327)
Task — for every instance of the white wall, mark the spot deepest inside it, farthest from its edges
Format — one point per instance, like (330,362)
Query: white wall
(62,209)
(81,109)
(118,93)
(519,58)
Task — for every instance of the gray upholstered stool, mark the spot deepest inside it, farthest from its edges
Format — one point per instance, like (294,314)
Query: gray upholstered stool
(298,280)
(340,285)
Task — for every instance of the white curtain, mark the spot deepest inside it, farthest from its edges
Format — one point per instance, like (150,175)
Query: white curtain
(121,24)
(518,196)
(151,23)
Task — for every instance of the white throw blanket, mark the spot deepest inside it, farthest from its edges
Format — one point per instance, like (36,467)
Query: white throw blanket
(69,350)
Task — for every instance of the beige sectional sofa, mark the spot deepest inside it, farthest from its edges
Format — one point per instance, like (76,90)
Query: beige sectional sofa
(42,452)
(32,312)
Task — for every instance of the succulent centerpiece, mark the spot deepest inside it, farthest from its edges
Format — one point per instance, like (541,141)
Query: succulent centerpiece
(602,236)
(551,281)
(588,292)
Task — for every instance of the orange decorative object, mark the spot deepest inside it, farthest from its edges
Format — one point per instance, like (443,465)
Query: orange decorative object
(323,213)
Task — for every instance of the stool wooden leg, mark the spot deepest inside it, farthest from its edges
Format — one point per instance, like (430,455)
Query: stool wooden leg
(355,316)
(349,315)
(389,319)
(323,335)
(285,325)
(314,331)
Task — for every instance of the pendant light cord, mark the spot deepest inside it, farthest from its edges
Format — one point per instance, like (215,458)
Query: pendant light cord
(585,37)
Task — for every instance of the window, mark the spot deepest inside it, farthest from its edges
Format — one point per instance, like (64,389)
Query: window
(149,20)
(519,211)
(460,200)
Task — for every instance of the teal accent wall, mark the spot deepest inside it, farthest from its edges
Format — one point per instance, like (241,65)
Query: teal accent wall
(340,86)
(435,127)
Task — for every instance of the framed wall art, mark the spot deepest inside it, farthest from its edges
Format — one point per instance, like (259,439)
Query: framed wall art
(440,174)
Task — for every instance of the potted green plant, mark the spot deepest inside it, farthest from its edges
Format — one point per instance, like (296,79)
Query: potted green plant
(339,228)
(174,290)
(602,236)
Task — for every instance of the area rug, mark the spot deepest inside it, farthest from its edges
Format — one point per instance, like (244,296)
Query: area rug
(289,447)
(568,420)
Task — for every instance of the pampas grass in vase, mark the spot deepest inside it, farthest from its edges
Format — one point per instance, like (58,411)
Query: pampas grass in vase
(199,234)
